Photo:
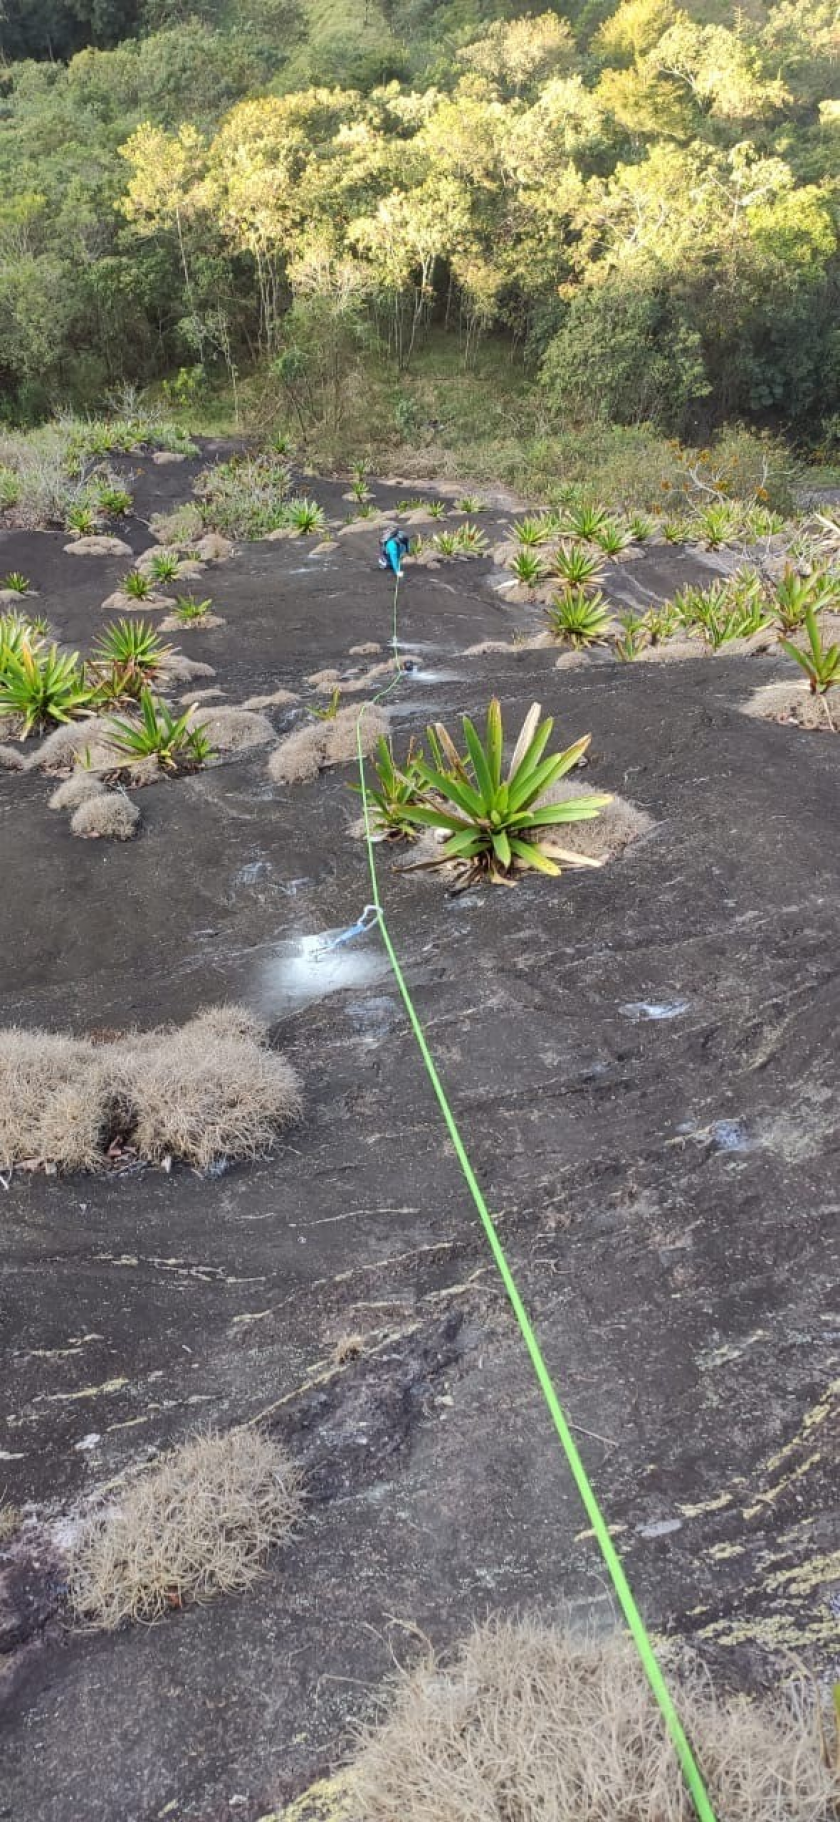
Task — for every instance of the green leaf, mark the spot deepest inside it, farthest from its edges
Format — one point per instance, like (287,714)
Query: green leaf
(572,809)
(501,849)
(532,856)
(495,740)
(480,766)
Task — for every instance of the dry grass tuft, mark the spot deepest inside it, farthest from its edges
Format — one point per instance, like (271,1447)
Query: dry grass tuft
(232,730)
(60,749)
(176,668)
(76,789)
(11,1519)
(609,833)
(794,704)
(530,1724)
(198,1523)
(672,651)
(106,815)
(278,699)
(11,760)
(311,749)
(370,649)
(209,1089)
(55,1104)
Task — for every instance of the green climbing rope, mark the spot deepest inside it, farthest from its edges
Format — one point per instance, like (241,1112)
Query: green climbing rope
(636,1626)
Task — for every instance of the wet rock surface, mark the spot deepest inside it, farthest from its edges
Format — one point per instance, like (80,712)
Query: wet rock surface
(663,1180)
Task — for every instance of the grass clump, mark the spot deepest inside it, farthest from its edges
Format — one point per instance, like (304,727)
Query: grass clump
(199,1522)
(206,1090)
(530,1723)
(106,816)
(326,742)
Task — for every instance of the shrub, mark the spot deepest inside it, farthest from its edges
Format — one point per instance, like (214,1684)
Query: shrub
(198,1522)
(494,825)
(174,742)
(528,1722)
(581,618)
(43,687)
(10,488)
(245,497)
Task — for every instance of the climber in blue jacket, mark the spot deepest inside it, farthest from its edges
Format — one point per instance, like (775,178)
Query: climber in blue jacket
(393,546)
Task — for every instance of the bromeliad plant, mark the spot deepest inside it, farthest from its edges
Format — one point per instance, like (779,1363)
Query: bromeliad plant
(114,501)
(528,568)
(821,663)
(160,735)
(394,792)
(305,517)
(17,584)
(581,618)
(42,687)
(497,825)
(613,538)
(190,611)
(130,653)
(164,568)
(138,585)
(577,566)
(794,595)
(633,637)
(529,533)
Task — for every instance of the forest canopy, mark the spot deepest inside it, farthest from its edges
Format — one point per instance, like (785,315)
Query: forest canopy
(642,202)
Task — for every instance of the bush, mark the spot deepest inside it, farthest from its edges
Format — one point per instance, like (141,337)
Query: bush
(625,357)
(246,497)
